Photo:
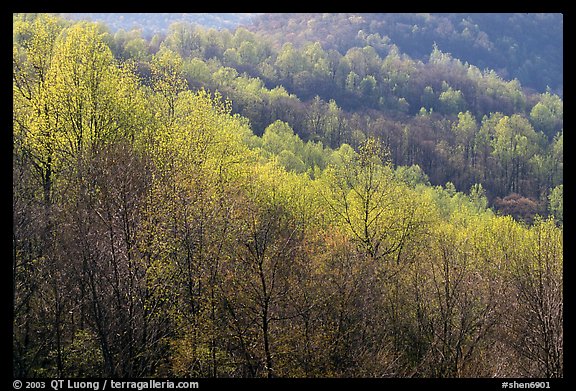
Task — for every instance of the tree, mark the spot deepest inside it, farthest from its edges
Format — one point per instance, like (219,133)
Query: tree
(367,86)
(279,136)
(35,125)
(86,103)
(319,62)
(104,103)
(316,117)
(259,274)
(352,81)
(189,230)
(370,203)
(185,39)
(451,101)
(465,130)
(514,143)
(334,126)
(457,320)
(247,54)
(168,81)
(556,203)
(547,115)
(537,327)
(289,62)
(557,155)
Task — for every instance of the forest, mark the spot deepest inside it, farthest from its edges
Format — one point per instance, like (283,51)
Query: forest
(226,203)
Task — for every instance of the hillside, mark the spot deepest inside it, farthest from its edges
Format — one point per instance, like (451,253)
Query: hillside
(372,75)
(214,204)
(528,47)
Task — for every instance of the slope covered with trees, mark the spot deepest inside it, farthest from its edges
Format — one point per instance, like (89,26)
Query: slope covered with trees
(432,110)
(176,215)
(528,46)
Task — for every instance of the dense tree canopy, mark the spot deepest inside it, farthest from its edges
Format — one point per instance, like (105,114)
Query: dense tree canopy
(342,91)
(526,46)
(194,207)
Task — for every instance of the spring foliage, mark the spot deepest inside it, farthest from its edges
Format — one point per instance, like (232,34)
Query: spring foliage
(156,235)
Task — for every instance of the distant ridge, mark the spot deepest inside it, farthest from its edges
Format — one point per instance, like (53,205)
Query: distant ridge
(152,23)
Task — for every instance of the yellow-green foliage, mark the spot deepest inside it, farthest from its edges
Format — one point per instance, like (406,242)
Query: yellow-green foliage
(241,255)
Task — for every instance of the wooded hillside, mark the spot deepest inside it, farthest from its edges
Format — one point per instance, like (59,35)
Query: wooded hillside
(211,204)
